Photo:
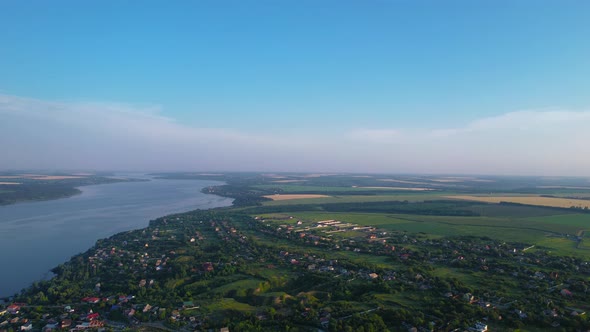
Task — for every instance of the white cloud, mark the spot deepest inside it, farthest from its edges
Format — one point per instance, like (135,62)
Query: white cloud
(67,135)
(532,120)
(386,136)
(530,142)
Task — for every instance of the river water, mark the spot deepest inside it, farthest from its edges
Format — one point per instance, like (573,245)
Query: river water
(37,236)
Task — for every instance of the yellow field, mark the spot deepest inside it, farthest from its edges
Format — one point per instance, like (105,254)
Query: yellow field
(530,200)
(279,197)
(563,187)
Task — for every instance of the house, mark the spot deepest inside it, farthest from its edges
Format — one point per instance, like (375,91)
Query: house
(93,316)
(207,267)
(95,324)
(92,300)
(66,323)
(13,309)
(479,327)
(520,314)
(27,327)
(224,329)
(50,327)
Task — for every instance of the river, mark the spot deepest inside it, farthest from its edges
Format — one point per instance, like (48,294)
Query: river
(37,236)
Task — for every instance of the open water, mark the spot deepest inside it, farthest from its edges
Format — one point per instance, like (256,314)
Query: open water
(37,236)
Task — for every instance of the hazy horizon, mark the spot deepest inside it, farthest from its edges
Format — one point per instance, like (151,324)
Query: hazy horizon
(297,86)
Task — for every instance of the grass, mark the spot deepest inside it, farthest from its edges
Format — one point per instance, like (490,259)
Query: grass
(399,300)
(579,220)
(447,272)
(543,231)
(244,284)
(372,219)
(285,197)
(516,211)
(283,244)
(562,246)
(294,188)
(230,304)
(414,197)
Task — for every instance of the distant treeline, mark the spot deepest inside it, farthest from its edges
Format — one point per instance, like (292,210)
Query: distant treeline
(577,208)
(435,208)
(242,195)
(31,192)
(35,190)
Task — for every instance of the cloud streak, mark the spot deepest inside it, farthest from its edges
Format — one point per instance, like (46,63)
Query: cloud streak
(110,136)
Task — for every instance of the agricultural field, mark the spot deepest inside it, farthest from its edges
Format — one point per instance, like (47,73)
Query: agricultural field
(398,188)
(555,229)
(295,188)
(285,197)
(529,200)
(358,199)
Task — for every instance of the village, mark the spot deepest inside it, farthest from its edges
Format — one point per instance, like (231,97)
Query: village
(167,275)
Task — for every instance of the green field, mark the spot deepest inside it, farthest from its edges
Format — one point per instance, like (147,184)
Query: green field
(538,226)
(225,304)
(413,197)
(292,188)
(295,188)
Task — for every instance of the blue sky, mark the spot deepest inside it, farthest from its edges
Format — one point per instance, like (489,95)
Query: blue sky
(374,72)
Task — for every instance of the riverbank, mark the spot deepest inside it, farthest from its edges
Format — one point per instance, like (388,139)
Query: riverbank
(37,236)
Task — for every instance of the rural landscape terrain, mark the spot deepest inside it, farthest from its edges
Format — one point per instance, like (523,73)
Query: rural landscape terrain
(295,165)
(336,252)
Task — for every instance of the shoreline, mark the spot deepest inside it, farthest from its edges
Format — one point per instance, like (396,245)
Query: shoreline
(48,274)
